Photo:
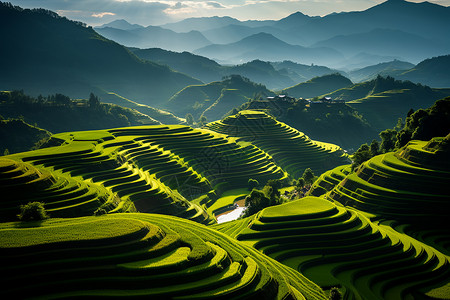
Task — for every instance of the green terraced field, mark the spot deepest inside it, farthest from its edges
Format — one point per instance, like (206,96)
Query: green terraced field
(147,169)
(290,149)
(139,255)
(337,246)
(410,185)
(64,196)
(377,233)
(328,180)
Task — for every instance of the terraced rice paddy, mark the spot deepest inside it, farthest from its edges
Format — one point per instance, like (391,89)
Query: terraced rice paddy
(139,255)
(380,232)
(410,185)
(291,149)
(146,169)
(64,196)
(336,246)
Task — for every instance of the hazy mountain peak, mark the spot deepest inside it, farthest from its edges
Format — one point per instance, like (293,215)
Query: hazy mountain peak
(262,37)
(200,23)
(293,20)
(121,24)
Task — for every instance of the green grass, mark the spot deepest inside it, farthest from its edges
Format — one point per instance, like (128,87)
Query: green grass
(333,245)
(291,149)
(227,199)
(62,231)
(120,254)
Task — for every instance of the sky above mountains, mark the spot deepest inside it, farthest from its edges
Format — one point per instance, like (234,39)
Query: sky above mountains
(158,12)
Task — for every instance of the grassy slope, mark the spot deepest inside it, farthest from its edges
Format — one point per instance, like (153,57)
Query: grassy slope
(160,115)
(318,86)
(333,245)
(180,258)
(215,99)
(291,149)
(17,135)
(147,168)
(383,100)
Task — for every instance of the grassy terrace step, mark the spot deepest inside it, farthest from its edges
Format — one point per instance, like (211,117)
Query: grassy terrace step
(64,196)
(291,149)
(144,255)
(333,245)
(328,180)
(121,166)
(148,168)
(213,156)
(392,186)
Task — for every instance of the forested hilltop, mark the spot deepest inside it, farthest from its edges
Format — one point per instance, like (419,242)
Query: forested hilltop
(59,113)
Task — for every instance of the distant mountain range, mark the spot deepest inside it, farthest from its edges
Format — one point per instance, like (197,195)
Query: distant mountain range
(275,76)
(47,54)
(265,46)
(394,29)
(154,36)
(386,42)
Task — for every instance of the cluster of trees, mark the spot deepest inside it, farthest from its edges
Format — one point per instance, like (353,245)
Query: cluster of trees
(307,178)
(33,211)
(19,97)
(422,124)
(269,195)
(191,121)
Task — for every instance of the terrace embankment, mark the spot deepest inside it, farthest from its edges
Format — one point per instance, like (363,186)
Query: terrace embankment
(139,255)
(337,246)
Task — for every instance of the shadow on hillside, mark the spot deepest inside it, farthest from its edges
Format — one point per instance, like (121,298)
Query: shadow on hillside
(29,224)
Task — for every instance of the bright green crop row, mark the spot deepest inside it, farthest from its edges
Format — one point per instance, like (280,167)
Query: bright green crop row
(332,245)
(290,148)
(139,255)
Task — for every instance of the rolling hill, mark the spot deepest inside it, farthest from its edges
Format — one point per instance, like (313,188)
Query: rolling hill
(318,86)
(301,72)
(333,122)
(140,255)
(383,100)
(379,232)
(430,72)
(59,113)
(215,99)
(49,54)
(383,69)
(17,136)
(291,149)
(209,71)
